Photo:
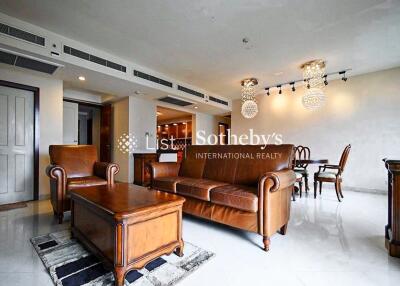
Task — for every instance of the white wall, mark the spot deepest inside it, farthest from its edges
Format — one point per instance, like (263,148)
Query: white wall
(363,112)
(137,117)
(50,118)
(120,123)
(204,123)
(142,121)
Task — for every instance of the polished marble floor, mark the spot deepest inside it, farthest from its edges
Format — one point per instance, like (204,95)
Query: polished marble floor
(327,243)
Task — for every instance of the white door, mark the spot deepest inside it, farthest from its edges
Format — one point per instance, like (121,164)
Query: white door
(70,123)
(16,145)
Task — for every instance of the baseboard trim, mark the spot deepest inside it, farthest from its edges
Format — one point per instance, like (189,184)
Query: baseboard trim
(357,189)
(44,197)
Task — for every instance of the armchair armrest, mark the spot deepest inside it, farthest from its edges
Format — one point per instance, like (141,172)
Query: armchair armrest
(106,171)
(164,169)
(58,181)
(56,172)
(327,166)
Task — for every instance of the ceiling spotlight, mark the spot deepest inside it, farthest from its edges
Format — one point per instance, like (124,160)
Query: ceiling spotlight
(344,78)
(293,88)
(280,89)
(326,79)
(267,89)
(195,107)
(81,78)
(308,86)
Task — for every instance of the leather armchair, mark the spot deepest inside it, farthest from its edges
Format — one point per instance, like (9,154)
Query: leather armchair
(72,167)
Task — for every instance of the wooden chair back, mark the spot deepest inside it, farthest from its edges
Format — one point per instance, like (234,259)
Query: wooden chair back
(302,153)
(343,158)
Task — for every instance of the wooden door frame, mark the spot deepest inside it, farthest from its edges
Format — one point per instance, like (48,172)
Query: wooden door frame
(36,130)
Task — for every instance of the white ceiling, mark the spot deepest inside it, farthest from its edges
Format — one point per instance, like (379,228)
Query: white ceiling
(200,42)
(164,113)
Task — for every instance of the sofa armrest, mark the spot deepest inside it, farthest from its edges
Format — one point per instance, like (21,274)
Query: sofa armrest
(274,199)
(273,181)
(105,170)
(164,169)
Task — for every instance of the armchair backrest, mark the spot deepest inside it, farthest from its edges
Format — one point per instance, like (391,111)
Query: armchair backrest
(77,160)
(343,158)
(302,153)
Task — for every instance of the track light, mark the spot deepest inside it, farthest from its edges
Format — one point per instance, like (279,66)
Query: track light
(308,85)
(280,89)
(293,88)
(344,78)
(267,89)
(326,79)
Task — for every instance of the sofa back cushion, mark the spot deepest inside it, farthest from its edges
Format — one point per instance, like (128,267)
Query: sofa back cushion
(77,160)
(193,162)
(255,162)
(221,163)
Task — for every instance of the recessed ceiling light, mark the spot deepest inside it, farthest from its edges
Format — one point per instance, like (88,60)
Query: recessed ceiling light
(278,73)
(81,78)
(195,107)
(175,124)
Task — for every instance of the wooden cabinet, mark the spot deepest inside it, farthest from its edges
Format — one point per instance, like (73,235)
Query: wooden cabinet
(392,229)
(142,175)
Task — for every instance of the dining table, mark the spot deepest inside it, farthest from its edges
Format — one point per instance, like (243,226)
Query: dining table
(309,162)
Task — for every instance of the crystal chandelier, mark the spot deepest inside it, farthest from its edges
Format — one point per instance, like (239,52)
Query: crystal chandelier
(313,75)
(249,104)
(313,98)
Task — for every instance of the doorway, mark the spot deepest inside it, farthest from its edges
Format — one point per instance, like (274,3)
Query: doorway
(174,133)
(88,124)
(19,142)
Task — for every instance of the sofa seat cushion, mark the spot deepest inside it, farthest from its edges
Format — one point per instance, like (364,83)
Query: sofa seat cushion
(236,196)
(81,182)
(197,188)
(167,184)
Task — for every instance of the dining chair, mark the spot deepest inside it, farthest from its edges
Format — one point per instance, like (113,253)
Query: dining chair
(334,176)
(300,169)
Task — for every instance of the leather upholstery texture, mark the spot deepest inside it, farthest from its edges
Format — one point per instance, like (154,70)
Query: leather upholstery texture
(236,196)
(247,187)
(72,167)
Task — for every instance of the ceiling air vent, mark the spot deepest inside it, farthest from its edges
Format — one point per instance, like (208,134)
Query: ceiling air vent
(190,91)
(152,78)
(175,101)
(23,61)
(220,101)
(91,58)
(22,35)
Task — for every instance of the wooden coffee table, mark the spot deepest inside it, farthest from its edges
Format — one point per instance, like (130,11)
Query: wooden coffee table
(126,225)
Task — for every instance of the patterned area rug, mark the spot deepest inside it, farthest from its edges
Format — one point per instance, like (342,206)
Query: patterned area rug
(70,264)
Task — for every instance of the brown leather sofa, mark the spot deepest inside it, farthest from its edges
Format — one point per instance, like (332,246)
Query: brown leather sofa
(72,167)
(241,186)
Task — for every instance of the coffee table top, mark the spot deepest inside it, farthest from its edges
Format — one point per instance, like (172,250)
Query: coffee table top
(125,199)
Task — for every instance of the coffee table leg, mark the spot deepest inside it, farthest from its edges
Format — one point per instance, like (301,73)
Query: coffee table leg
(119,275)
(179,249)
